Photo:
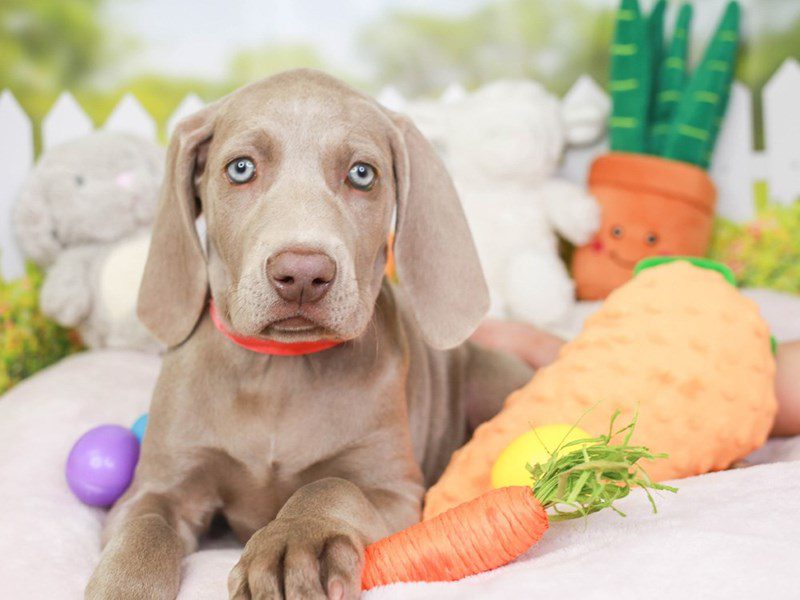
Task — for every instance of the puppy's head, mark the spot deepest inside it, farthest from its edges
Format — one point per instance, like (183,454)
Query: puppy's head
(298,177)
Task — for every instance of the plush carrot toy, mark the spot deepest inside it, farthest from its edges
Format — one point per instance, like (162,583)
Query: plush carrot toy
(679,343)
(581,477)
(655,195)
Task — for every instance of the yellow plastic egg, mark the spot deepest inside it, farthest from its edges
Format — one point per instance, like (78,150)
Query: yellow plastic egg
(532,447)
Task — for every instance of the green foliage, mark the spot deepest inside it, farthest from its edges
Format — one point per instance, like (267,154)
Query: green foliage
(699,114)
(250,65)
(552,42)
(46,45)
(681,119)
(764,252)
(29,341)
(594,474)
(630,79)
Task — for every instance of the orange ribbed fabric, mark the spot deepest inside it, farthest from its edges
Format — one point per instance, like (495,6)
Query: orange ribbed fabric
(482,534)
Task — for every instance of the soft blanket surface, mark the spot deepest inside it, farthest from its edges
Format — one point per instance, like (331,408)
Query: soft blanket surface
(734,534)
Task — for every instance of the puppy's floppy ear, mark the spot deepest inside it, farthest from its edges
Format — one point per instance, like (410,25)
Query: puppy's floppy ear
(437,263)
(173,292)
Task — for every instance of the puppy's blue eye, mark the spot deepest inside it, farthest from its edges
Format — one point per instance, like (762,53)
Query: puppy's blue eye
(362,176)
(241,170)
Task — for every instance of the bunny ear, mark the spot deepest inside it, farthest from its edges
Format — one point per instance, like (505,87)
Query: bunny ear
(33,222)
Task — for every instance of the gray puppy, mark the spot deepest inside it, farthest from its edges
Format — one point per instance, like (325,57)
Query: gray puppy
(311,457)
(84,215)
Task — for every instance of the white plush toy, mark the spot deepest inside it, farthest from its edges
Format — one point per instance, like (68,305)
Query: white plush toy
(503,145)
(84,216)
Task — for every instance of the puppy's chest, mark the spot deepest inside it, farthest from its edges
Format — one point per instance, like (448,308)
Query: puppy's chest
(286,428)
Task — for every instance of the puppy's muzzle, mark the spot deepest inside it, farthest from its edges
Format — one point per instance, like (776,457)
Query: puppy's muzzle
(301,275)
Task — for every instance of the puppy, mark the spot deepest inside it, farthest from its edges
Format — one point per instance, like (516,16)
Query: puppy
(319,401)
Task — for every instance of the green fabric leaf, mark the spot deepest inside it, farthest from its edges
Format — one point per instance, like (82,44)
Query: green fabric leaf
(671,80)
(655,31)
(698,116)
(630,81)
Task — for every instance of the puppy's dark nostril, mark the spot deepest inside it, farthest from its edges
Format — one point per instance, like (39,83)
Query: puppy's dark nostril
(301,275)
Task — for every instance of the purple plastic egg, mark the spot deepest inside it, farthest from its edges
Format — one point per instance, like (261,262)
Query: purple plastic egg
(101,464)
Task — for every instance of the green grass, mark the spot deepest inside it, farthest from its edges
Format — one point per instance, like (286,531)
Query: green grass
(764,252)
(29,341)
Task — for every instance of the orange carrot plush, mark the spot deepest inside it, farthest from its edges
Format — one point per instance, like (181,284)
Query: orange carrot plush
(679,343)
(487,532)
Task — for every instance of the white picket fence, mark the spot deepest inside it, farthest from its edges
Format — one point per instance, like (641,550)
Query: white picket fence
(735,166)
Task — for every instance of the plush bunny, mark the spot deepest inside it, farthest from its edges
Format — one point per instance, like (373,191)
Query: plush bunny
(503,145)
(84,216)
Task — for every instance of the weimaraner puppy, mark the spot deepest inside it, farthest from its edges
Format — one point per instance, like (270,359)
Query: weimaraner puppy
(309,457)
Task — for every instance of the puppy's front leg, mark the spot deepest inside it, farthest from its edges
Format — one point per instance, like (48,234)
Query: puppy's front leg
(315,546)
(142,559)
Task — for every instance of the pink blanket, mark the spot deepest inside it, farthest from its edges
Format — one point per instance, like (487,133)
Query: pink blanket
(734,534)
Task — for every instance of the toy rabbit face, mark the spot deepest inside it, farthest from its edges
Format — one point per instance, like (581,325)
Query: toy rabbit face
(510,130)
(96,189)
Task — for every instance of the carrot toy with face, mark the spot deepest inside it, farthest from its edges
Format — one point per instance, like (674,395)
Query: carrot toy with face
(649,207)
(654,193)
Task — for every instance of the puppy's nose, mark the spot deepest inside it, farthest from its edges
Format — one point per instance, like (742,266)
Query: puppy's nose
(301,275)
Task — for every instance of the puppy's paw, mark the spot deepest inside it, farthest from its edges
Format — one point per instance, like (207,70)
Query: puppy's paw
(142,562)
(297,558)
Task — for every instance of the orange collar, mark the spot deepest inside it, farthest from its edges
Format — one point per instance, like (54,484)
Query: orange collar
(270,346)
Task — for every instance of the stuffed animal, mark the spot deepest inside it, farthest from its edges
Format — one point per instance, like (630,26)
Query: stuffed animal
(655,194)
(503,144)
(84,216)
(679,345)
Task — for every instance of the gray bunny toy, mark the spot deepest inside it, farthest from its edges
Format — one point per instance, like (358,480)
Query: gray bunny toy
(84,216)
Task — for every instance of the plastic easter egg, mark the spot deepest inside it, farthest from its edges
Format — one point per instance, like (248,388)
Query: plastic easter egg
(139,427)
(532,447)
(100,465)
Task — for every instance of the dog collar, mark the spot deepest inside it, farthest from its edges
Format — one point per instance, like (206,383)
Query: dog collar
(270,346)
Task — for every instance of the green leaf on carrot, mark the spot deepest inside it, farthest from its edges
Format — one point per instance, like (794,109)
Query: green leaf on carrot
(594,475)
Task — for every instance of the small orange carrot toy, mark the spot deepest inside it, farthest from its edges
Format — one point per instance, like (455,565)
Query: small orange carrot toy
(497,527)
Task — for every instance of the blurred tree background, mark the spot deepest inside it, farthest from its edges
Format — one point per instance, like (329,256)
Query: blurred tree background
(47,46)
(552,42)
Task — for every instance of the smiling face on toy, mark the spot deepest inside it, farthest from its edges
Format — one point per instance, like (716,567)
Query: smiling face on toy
(627,234)
(635,225)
